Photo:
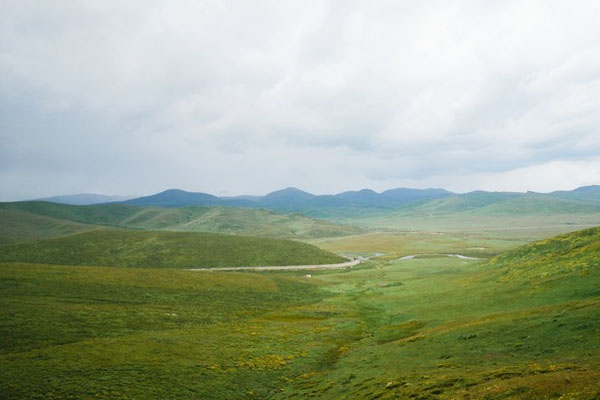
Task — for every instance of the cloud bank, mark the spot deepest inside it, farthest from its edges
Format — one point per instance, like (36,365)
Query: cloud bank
(232,97)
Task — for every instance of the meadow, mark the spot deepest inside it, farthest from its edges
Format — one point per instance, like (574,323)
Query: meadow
(522,322)
(124,248)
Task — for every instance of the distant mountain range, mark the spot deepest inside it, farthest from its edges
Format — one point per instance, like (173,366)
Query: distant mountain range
(366,201)
(296,200)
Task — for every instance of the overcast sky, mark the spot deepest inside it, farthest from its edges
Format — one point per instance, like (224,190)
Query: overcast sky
(246,97)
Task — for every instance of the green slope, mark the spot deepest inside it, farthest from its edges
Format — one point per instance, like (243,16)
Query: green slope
(107,214)
(19,226)
(69,219)
(526,325)
(256,222)
(490,211)
(585,193)
(460,202)
(122,248)
(500,203)
(534,204)
(571,253)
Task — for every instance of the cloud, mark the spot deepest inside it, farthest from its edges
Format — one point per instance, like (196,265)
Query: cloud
(236,97)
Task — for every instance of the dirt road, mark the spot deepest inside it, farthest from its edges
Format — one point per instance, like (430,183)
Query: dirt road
(347,264)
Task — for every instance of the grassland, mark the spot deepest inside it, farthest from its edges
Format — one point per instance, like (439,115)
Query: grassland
(122,248)
(523,325)
(84,332)
(395,245)
(33,220)
(19,226)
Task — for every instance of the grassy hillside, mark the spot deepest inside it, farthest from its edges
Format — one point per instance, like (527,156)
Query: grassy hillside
(256,222)
(462,202)
(165,249)
(523,216)
(571,253)
(532,204)
(23,221)
(525,325)
(108,214)
(19,226)
(585,193)
(495,203)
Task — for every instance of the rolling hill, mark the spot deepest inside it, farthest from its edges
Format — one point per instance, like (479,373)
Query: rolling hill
(122,248)
(539,204)
(21,226)
(505,203)
(24,221)
(587,193)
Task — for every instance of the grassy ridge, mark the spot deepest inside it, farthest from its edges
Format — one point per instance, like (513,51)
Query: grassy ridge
(70,219)
(165,249)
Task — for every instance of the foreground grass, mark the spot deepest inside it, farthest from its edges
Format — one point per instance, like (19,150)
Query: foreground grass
(84,332)
(425,328)
(165,249)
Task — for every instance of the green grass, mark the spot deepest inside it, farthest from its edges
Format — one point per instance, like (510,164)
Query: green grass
(18,226)
(256,222)
(501,203)
(446,328)
(539,205)
(93,215)
(577,252)
(29,220)
(525,324)
(399,244)
(84,332)
(165,249)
